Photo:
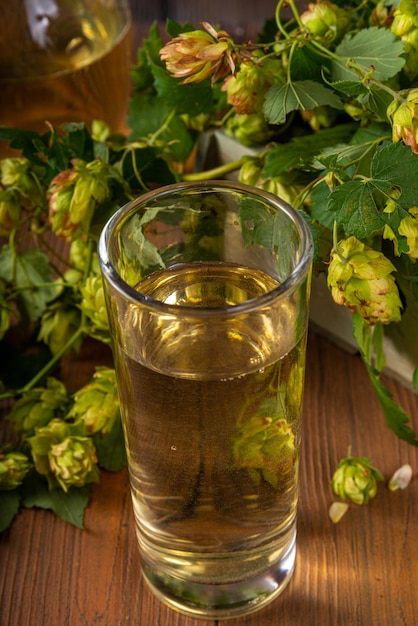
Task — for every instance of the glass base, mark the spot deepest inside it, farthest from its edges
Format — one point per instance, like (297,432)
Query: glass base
(226,600)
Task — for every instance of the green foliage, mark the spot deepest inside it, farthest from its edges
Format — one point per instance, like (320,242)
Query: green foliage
(297,96)
(30,272)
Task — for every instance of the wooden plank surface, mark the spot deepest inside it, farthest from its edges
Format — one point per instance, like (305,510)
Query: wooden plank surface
(362,571)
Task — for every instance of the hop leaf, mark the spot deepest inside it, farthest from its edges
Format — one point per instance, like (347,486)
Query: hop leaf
(37,407)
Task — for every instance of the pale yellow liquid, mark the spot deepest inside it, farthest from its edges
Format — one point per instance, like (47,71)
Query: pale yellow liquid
(80,72)
(210,531)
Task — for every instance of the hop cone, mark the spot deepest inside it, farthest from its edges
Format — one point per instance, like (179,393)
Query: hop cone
(404,120)
(248,129)
(13,468)
(360,278)
(73,462)
(265,446)
(356,479)
(20,174)
(409,228)
(196,55)
(93,304)
(96,404)
(326,20)
(64,458)
(247,89)
(405,26)
(74,195)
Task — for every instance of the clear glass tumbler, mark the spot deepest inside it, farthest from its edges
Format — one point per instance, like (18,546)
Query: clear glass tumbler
(207,288)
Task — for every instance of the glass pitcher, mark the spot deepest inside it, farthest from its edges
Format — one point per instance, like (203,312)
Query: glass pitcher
(64,61)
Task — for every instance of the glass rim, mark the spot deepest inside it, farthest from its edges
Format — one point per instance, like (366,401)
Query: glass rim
(282,289)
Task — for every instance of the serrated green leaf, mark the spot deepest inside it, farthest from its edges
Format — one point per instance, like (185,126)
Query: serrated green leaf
(355,208)
(22,140)
(350,87)
(306,64)
(190,99)
(9,506)
(377,101)
(149,166)
(71,506)
(175,28)
(370,345)
(374,48)
(30,273)
(35,492)
(283,157)
(297,96)
(265,229)
(150,116)
(358,204)
(68,506)
(110,448)
(396,418)
(319,209)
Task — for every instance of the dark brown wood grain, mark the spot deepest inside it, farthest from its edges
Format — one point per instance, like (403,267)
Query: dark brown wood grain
(362,571)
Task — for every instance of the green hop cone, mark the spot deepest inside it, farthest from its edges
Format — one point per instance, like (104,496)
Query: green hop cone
(320,117)
(96,405)
(409,228)
(403,117)
(286,191)
(14,466)
(79,253)
(247,89)
(405,26)
(10,210)
(20,174)
(93,304)
(356,479)
(361,279)
(37,407)
(249,130)
(63,456)
(250,171)
(75,193)
(265,446)
(73,462)
(326,20)
(59,322)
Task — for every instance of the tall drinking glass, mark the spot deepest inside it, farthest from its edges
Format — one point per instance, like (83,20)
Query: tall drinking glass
(207,288)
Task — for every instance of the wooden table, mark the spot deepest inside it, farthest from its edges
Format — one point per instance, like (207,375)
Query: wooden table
(362,571)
